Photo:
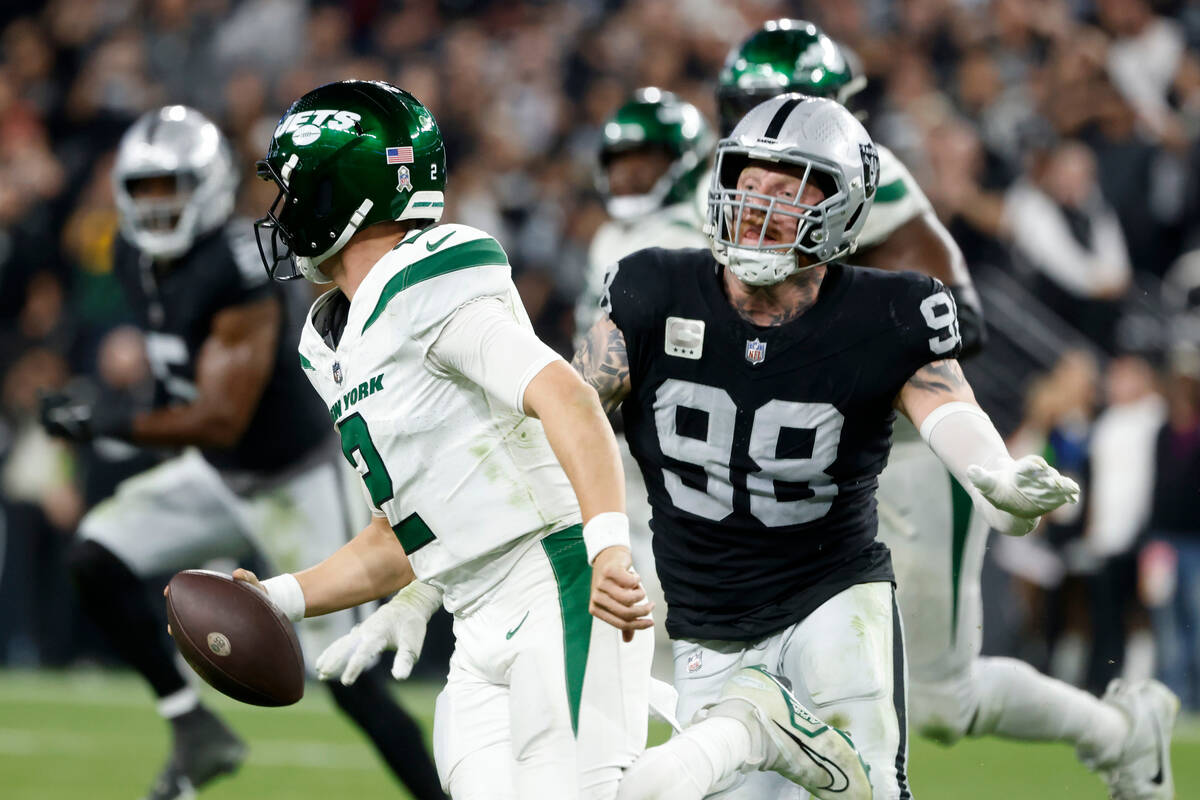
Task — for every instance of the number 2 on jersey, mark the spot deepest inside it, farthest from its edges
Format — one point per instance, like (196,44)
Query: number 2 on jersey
(356,438)
(715,452)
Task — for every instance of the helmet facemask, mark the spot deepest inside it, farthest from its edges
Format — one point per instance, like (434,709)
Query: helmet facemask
(173,181)
(763,263)
(161,223)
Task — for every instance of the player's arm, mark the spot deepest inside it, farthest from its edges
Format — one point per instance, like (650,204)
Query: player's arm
(924,245)
(371,565)
(483,342)
(232,369)
(1011,493)
(603,362)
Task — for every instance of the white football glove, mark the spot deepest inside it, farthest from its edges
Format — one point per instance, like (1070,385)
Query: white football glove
(1025,488)
(397,625)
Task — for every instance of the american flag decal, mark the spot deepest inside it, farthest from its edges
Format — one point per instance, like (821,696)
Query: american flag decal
(400,155)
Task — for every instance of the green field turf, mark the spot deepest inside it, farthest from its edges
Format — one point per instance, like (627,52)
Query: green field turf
(94,735)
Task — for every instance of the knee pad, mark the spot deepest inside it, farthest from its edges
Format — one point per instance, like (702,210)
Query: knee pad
(943,710)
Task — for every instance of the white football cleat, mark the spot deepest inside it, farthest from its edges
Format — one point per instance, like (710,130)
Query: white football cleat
(798,745)
(1143,771)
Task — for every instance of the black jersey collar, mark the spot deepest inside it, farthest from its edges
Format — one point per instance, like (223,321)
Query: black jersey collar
(833,286)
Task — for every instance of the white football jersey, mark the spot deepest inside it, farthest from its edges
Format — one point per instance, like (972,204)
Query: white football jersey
(676,226)
(897,200)
(467,482)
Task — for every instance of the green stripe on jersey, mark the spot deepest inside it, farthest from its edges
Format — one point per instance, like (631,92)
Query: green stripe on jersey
(304,362)
(961,507)
(478,253)
(891,192)
(568,559)
(413,533)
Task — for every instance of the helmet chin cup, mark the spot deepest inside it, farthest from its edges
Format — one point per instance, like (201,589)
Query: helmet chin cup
(755,267)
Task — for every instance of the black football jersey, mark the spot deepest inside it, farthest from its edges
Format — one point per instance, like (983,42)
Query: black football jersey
(761,446)
(175,303)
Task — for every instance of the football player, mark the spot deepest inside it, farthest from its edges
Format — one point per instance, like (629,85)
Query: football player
(260,473)
(760,380)
(925,514)
(481,452)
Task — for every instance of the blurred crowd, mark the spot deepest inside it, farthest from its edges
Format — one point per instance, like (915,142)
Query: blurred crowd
(1059,141)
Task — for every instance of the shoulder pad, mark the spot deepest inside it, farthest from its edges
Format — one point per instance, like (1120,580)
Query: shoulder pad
(435,271)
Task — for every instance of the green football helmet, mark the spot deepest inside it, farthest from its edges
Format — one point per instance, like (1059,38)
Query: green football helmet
(784,55)
(344,156)
(653,118)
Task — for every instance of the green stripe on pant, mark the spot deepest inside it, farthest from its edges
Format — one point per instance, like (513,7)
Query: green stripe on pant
(573,574)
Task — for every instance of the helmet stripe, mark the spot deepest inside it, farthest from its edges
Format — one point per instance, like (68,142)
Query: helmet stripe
(780,117)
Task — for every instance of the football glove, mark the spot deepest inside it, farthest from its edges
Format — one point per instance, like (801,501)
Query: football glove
(1026,487)
(71,415)
(397,625)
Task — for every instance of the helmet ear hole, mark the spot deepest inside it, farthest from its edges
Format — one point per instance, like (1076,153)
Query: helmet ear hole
(323,198)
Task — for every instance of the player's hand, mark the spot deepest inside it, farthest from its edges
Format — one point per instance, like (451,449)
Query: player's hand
(72,416)
(246,576)
(64,417)
(617,594)
(397,625)
(1027,487)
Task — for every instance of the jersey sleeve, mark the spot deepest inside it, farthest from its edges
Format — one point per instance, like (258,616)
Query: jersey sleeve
(633,289)
(485,342)
(929,327)
(245,279)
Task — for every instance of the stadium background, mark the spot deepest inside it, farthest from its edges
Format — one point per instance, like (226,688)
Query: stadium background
(1025,121)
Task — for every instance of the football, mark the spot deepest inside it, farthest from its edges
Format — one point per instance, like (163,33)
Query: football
(235,639)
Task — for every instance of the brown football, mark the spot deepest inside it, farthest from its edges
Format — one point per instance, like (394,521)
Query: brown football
(235,638)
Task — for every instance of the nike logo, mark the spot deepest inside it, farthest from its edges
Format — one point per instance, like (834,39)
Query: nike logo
(431,246)
(838,782)
(513,632)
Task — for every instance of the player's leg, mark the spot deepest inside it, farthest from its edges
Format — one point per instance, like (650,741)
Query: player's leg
(743,720)
(165,519)
(848,657)
(938,547)
(471,740)
(296,523)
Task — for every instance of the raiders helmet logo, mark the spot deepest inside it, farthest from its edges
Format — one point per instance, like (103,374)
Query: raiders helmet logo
(870,162)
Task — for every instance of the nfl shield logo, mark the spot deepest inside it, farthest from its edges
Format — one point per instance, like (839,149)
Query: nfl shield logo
(694,662)
(337,372)
(756,351)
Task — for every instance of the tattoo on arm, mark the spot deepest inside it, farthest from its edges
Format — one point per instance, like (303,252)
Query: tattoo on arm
(603,362)
(942,377)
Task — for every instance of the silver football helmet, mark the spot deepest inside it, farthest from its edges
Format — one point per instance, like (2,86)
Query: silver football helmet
(181,144)
(831,148)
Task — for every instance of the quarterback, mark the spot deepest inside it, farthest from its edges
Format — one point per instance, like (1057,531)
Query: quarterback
(758,390)
(481,452)
(261,473)
(925,514)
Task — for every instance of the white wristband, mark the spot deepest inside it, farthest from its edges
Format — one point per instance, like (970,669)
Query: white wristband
(605,530)
(285,592)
